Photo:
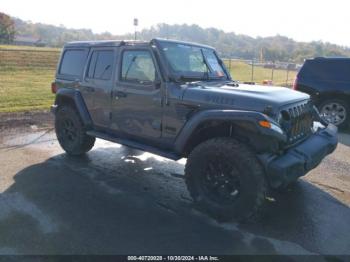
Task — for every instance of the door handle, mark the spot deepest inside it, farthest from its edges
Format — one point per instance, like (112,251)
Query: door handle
(119,94)
(89,89)
(158,100)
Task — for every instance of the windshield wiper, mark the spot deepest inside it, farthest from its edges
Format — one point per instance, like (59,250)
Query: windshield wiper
(232,83)
(133,59)
(104,71)
(184,78)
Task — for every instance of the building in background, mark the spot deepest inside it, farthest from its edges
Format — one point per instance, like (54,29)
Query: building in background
(26,40)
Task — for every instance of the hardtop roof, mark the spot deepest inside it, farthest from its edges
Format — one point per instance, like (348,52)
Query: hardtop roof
(105,43)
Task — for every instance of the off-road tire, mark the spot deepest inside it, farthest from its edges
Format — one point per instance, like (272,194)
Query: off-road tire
(285,188)
(71,133)
(342,104)
(242,162)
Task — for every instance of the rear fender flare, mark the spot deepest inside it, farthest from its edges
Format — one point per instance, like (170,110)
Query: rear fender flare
(75,97)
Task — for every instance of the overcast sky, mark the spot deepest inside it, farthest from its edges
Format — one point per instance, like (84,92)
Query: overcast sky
(303,20)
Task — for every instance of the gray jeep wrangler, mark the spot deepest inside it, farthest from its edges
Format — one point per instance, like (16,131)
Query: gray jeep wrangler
(177,100)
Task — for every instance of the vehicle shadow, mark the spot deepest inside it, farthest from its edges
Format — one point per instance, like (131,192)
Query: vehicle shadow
(344,138)
(124,201)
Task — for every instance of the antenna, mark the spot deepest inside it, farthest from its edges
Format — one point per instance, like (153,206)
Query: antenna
(136,23)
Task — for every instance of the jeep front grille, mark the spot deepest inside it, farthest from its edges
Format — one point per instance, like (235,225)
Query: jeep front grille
(300,122)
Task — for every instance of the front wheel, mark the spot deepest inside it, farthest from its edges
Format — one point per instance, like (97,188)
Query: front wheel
(70,132)
(225,179)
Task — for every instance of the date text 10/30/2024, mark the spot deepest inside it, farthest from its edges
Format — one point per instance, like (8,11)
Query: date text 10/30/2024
(173,258)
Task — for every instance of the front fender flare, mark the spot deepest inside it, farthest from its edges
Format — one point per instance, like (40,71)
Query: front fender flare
(235,116)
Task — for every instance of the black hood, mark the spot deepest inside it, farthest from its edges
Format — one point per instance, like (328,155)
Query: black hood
(245,97)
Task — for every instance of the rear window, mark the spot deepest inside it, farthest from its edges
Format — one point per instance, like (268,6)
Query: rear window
(327,69)
(73,62)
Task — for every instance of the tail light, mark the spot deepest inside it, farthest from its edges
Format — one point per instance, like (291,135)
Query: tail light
(53,87)
(295,83)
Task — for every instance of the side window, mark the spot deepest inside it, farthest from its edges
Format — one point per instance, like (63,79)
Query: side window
(138,66)
(73,62)
(101,65)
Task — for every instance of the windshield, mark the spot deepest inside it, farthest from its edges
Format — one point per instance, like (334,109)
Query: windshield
(192,62)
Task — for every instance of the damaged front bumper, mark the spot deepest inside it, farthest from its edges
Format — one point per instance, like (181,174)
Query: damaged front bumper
(300,159)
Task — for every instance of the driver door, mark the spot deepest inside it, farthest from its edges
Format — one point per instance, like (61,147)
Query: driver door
(137,96)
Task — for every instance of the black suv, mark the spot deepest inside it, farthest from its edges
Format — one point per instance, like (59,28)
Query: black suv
(327,80)
(177,100)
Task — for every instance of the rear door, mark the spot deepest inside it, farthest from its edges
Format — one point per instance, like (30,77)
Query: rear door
(98,83)
(137,97)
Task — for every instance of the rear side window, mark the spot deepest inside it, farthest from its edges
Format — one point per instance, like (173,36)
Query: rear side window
(101,65)
(73,62)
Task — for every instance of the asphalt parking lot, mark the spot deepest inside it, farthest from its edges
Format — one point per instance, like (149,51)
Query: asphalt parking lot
(117,200)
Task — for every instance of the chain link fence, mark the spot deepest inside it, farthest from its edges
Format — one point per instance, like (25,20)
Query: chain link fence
(267,73)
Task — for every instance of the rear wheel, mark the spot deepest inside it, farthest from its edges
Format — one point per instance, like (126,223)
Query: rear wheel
(335,111)
(70,132)
(225,179)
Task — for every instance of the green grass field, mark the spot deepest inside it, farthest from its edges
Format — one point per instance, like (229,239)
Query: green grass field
(25,89)
(26,76)
(34,48)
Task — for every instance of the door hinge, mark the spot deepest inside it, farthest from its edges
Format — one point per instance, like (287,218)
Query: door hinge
(170,129)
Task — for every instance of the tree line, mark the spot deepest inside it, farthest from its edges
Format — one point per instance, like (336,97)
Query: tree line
(229,45)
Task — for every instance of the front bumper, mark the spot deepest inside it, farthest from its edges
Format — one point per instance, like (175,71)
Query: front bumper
(299,160)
